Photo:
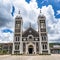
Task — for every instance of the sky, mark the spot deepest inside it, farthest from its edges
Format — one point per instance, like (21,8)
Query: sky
(29,10)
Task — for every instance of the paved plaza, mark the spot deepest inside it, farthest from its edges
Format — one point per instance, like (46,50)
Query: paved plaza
(41,57)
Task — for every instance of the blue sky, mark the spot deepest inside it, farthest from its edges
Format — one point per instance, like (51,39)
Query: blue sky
(6,30)
(29,11)
(55,4)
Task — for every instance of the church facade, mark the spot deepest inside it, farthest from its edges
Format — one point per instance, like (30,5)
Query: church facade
(30,41)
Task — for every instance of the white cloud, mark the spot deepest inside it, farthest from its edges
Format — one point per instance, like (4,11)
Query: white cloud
(57,1)
(29,13)
(53,23)
(58,12)
(44,1)
(6,37)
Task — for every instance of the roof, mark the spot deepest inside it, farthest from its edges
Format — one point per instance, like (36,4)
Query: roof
(30,31)
(6,43)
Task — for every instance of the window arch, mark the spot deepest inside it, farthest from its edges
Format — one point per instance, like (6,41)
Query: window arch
(44,46)
(30,36)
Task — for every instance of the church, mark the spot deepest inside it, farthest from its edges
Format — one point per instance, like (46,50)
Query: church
(30,41)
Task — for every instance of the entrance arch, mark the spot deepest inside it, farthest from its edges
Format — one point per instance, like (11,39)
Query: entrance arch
(30,49)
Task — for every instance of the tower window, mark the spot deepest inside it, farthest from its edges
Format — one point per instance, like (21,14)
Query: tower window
(42,21)
(44,36)
(44,46)
(18,22)
(17,38)
(17,25)
(42,25)
(43,30)
(17,30)
(16,47)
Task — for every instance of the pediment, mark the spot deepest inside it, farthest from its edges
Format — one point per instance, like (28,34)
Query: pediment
(30,31)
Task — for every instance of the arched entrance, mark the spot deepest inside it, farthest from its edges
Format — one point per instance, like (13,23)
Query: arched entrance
(30,49)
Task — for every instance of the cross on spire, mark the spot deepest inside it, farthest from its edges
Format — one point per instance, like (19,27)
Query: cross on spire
(19,12)
(40,11)
(30,24)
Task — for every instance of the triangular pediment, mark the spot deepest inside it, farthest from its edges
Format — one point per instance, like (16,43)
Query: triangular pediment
(30,31)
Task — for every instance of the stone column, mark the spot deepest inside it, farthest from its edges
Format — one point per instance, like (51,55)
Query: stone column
(21,48)
(13,48)
(21,42)
(26,49)
(35,48)
(48,46)
(40,45)
(21,45)
(8,49)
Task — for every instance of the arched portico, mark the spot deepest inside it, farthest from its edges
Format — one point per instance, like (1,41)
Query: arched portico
(30,48)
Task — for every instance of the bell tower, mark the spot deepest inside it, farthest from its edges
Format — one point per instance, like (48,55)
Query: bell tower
(44,46)
(17,42)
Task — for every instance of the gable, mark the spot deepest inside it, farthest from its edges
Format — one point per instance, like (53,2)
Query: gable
(30,31)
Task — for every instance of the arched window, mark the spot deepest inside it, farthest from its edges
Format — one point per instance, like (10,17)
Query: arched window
(17,38)
(43,46)
(17,25)
(30,36)
(16,47)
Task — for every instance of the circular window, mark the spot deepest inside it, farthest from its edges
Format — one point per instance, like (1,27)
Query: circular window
(30,31)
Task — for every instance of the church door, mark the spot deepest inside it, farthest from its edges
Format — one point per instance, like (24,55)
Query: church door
(30,49)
